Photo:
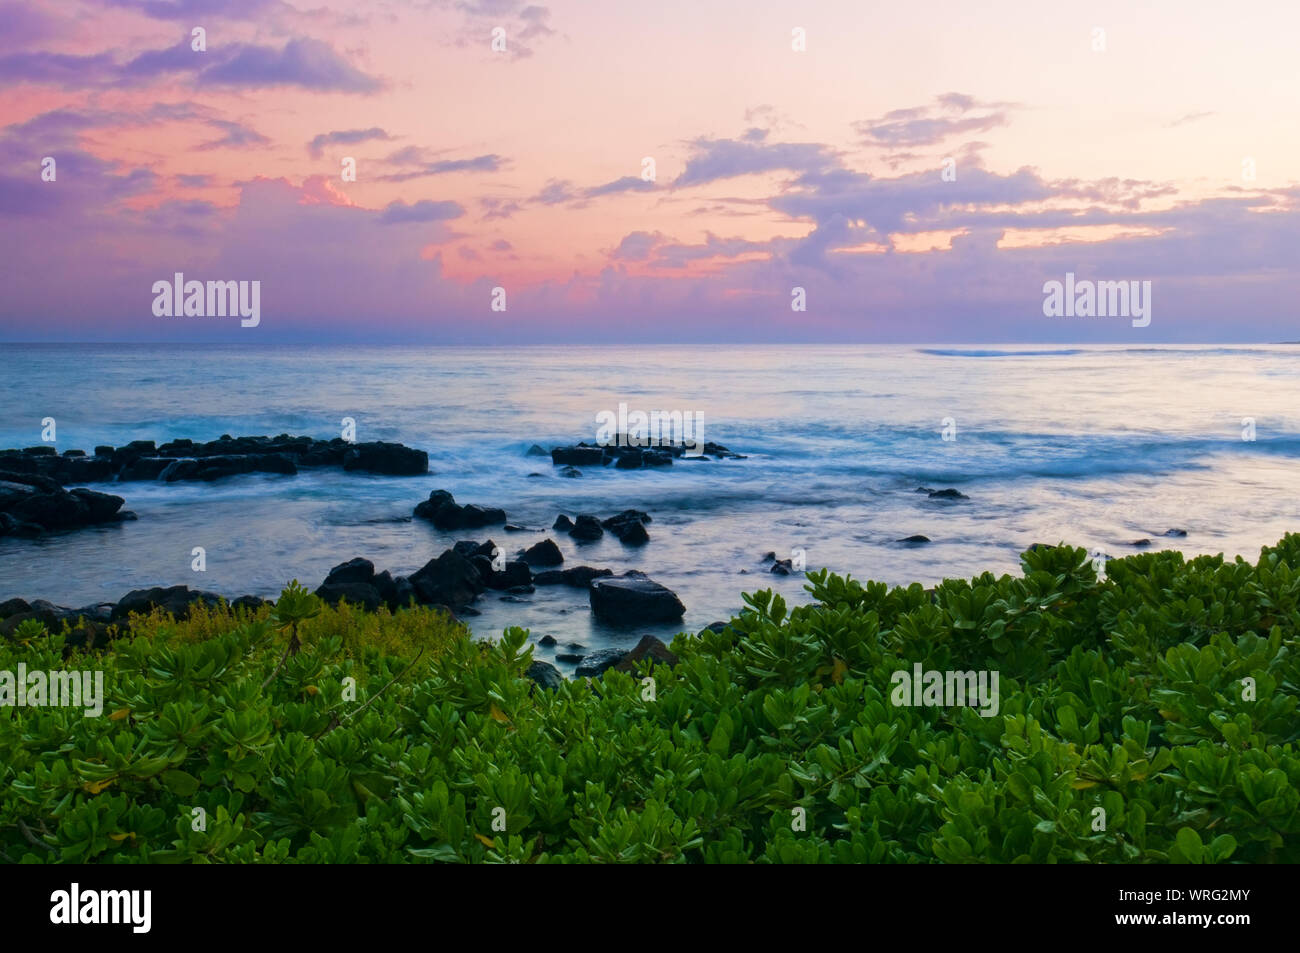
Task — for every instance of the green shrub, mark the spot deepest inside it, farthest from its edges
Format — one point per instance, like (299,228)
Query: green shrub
(1146,717)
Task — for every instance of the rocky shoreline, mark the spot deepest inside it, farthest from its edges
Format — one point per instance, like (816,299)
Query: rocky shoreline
(452,581)
(33,500)
(625,453)
(226,456)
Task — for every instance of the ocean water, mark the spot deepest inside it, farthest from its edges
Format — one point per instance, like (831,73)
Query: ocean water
(1095,446)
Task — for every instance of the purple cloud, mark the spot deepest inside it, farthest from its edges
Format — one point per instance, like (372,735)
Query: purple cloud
(189,10)
(927,125)
(22,25)
(425,210)
(344,137)
(303,62)
(715,159)
(483,163)
(236,136)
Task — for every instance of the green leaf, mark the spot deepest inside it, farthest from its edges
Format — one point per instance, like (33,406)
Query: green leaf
(180,783)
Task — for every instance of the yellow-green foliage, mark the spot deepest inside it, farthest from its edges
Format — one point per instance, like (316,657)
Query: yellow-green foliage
(1148,716)
(401,634)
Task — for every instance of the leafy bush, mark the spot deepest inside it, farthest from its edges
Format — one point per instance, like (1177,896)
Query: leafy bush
(1147,717)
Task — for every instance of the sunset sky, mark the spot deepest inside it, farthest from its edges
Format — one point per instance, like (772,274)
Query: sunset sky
(775,168)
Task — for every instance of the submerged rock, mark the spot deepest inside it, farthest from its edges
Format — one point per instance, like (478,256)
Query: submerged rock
(579,577)
(629,527)
(445,513)
(545,553)
(948,494)
(185,459)
(586,529)
(597,662)
(388,459)
(633,599)
(631,534)
(31,505)
(449,580)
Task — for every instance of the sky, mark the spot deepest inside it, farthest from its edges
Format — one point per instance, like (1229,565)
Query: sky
(618,172)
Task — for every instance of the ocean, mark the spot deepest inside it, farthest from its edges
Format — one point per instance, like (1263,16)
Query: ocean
(1094,446)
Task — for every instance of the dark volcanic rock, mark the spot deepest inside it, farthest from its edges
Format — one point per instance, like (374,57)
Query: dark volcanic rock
(186,460)
(632,533)
(1140,542)
(546,640)
(1177,533)
(31,504)
(633,599)
(648,648)
(545,553)
(917,539)
(449,580)
(515,574)
(173,599)
(562,523)
(144,468)
(782,567)
(586,529)
(597,662)
(545,675)
(445,513)
(354,570)
(536,451)
(357,593)
(571,472)
(580,577)
(629,527)
(568,657)
(403,593)
(389,459)
(948,494)
(627,516)
(579,456)
(218,468)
